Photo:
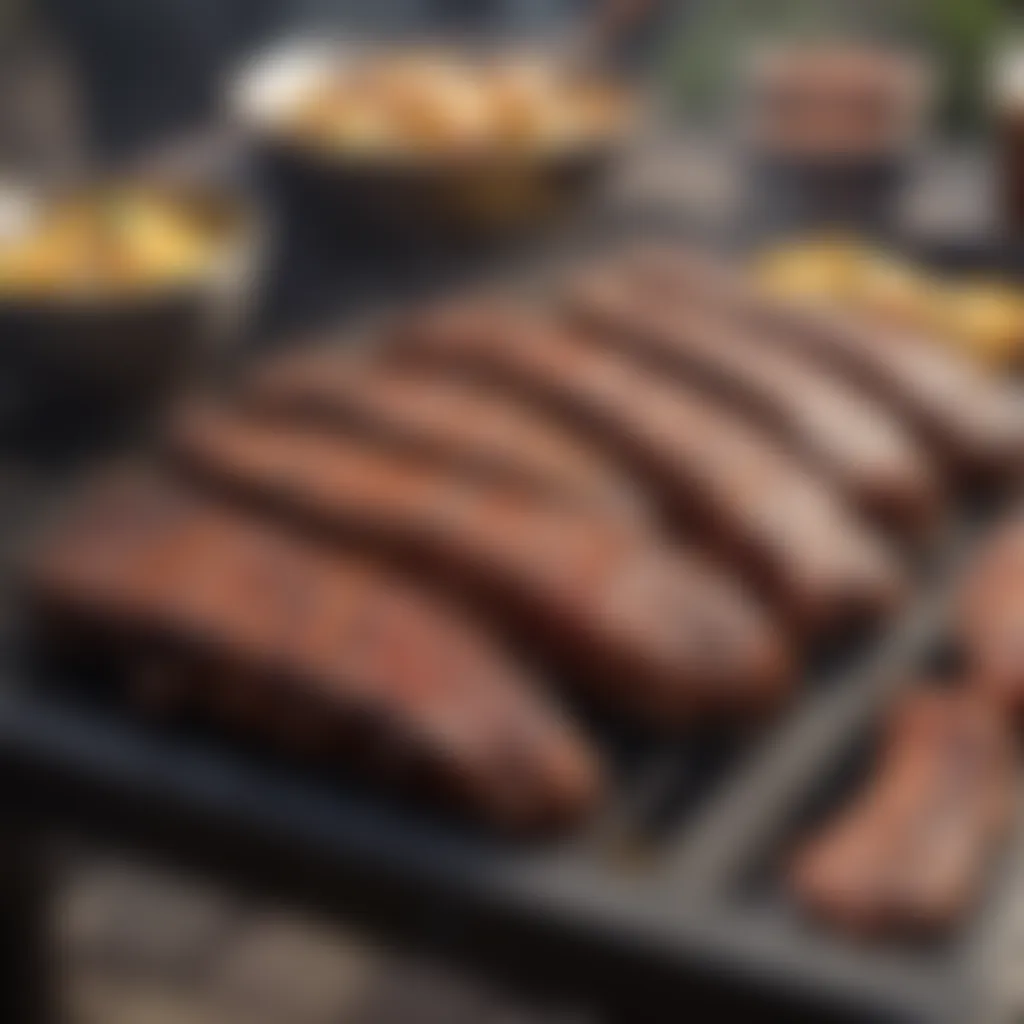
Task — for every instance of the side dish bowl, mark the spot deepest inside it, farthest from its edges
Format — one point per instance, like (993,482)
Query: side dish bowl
(438,138)
(112,296)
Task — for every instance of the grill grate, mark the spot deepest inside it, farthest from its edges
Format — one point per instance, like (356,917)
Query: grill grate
(676,880)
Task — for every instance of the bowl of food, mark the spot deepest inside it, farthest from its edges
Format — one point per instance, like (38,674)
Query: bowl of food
(977,309)
(440,137)
(111,295)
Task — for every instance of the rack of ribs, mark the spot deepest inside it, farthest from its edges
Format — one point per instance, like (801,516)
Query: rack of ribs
(320,652)
(460,425)
(911,852)
(714,475)
(649,629)
(854,441)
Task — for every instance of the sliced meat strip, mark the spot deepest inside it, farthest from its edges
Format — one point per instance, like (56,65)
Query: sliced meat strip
(989,620)
(852,439)
(974,423)
(647,628)
(910,854)
(717,477)
(463,426)
(323,652)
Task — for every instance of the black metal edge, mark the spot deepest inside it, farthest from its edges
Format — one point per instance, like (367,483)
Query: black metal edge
(551,924)
(763,803)
(681,910)
(745,819)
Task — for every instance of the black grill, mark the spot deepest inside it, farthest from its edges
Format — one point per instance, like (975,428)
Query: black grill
(672,894)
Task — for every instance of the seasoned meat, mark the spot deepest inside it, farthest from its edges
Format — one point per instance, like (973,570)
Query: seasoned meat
(974,423)
(464,426)
(729,485)
(647,628)
(853,440)
(989,621)
(317,650)
(910,854)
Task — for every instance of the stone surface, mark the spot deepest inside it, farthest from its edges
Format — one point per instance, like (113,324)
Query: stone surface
(142,947)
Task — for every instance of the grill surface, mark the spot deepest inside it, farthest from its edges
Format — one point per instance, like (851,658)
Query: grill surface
(672,892)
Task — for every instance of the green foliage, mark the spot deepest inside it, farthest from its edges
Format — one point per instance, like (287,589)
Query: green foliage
(703,63)
(963,35)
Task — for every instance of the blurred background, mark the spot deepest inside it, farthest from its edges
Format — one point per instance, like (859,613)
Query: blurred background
(144,72)
(90,87)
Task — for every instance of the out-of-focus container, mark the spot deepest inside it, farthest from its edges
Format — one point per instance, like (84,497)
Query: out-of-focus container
(438,191)
(831,129)
(76,364)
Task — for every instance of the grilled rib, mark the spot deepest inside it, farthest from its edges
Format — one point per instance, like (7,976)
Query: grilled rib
(465,427)
(729,485)
(322,652)
(854,441)
(910,854)
(974,423)
(650,630)
(989,621)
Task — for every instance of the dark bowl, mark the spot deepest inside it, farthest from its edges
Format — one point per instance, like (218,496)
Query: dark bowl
(435,195)
(73,366)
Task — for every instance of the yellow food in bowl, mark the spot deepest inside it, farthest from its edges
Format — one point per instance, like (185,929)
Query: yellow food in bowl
(983,317)
(988,318)
(426,103)
(846,272)
(109,242)
(822,270)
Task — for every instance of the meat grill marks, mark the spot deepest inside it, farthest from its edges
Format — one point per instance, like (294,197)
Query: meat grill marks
(756,504)
(322,653)
(464,427)
(650,630)
(853,440)
(910,854)
(989,620)
(974,423)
